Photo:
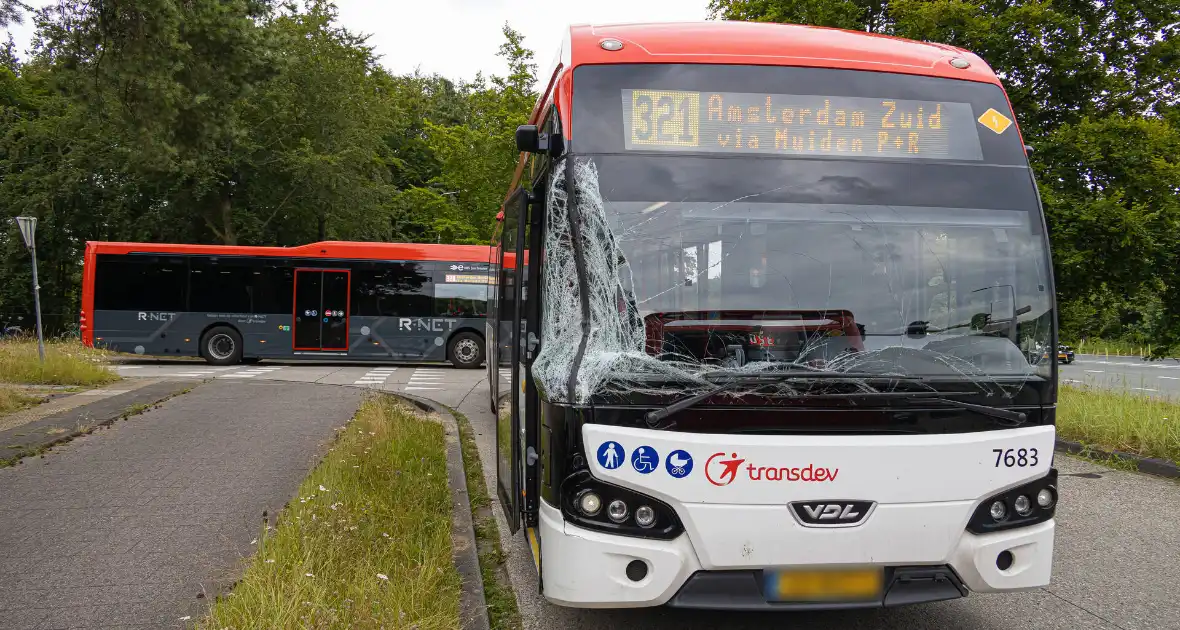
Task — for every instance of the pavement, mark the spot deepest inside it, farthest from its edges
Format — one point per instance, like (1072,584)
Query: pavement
(142,525)
(1151,378)
(1116,566)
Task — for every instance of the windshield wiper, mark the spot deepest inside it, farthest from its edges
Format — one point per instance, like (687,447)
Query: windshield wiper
(747,378)
(1014,418)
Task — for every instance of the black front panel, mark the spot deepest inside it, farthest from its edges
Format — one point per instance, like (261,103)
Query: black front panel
(308,293)
(334,311)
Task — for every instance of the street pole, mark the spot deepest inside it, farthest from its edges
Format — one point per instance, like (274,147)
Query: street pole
(28,230)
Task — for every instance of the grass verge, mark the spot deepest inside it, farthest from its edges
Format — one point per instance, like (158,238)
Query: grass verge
(66,363)
(498,594)
(368,542)
(12,399)
(1117,420)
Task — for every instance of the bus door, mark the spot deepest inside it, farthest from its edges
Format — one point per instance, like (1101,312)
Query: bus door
(321,310)
(508,435)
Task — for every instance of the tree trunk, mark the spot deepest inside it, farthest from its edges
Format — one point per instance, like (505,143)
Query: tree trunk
(225,211)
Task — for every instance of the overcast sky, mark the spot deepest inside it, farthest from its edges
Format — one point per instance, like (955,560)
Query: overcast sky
(457,38)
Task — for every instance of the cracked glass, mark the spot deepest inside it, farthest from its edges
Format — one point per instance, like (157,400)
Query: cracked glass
(693,271)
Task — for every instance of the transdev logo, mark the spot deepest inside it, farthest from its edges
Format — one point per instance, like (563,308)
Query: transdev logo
(722,469)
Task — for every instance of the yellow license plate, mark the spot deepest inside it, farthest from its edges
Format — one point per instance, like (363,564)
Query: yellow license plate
(824,585)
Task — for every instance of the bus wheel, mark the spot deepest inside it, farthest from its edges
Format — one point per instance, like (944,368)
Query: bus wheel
(466,350)
(222,345)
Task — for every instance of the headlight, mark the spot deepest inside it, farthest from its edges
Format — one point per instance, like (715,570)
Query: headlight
(1014,508)
(617,511)
(589,503)
(1023,505)
(645,516)
(594,504)
(1045,498)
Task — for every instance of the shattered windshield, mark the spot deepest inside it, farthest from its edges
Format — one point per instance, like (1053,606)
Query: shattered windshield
(697,264)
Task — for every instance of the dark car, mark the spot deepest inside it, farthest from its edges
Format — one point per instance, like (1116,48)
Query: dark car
(1065,354)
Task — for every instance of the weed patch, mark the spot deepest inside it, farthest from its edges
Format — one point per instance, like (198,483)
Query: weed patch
(14,400)
(66,363)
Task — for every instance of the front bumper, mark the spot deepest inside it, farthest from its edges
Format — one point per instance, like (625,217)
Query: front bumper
(588,569)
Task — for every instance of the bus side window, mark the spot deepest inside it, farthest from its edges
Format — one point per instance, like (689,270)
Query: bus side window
(457,299)
(217,286)
(390,289)
(272,289)
(139,283)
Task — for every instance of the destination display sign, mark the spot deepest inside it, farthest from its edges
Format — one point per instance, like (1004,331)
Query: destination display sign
(802,125)
(467,278)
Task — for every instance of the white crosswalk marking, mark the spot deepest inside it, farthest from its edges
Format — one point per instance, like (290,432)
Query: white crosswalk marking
(252,372)
(424,379)
(375,377)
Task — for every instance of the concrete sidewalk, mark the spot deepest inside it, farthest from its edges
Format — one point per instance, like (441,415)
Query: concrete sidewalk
(145,523)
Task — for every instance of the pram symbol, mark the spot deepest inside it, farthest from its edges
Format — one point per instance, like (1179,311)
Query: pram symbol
(678,464)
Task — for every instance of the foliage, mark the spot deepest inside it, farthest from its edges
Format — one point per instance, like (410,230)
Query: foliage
(1093,84)
(258,122)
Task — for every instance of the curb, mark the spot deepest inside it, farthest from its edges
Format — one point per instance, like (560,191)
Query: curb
(1148,465)
(473,608)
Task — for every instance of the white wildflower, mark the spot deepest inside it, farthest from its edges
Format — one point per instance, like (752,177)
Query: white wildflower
(322,488)
(254,542)
(308,575)
(270,561)
(382,576)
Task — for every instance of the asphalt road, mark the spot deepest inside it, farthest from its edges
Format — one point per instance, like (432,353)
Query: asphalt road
(1152,378)
(1116,565)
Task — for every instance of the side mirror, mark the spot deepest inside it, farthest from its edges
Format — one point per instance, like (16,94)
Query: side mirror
(1028,149)
(530,139)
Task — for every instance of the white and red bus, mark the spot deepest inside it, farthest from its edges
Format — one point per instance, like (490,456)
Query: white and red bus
(782,340)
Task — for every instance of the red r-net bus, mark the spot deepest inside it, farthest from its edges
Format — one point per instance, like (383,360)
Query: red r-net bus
(783,343)
(324,301)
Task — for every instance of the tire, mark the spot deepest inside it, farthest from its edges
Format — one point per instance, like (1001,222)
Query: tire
(466,351)
(1068,361)
(222,345)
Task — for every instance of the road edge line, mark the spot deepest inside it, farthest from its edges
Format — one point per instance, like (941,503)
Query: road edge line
(1147,465)
(473,609)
